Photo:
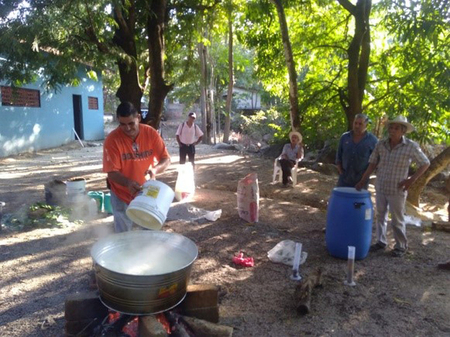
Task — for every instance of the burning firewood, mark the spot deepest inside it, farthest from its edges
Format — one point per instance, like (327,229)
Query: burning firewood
(304,289)
(178,325)
(113,326)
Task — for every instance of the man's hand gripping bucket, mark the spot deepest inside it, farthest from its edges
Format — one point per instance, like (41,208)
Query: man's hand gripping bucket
(149,208)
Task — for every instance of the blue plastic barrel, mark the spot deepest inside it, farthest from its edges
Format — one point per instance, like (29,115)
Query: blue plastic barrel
(349,222)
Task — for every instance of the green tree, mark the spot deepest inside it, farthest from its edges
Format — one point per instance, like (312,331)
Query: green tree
(358,53)
(290,64)
(418,80)
(124,35)
(215,65)
(411,75)
(406,73)
(226,132)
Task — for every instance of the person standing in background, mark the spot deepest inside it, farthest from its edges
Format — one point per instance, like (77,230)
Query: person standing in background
(188,136)
(354,150)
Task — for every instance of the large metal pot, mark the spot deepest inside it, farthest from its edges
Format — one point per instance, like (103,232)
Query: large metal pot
(143,272)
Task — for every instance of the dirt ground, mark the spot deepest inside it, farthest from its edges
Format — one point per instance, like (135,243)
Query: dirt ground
(405,296)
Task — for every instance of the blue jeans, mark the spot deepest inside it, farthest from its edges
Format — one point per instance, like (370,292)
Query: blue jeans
(121,221)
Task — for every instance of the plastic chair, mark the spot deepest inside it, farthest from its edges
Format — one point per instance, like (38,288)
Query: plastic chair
(277,171)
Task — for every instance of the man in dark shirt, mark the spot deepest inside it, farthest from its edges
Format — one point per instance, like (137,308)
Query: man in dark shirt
(355,148)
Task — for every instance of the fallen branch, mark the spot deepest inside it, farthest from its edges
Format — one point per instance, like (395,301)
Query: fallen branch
(441,226)
(304,289)
(207,329)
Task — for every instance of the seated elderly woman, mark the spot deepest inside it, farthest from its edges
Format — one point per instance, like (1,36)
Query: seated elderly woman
(292,153)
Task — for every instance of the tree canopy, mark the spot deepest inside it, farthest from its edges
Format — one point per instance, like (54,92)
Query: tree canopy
(381,58)
(407,69)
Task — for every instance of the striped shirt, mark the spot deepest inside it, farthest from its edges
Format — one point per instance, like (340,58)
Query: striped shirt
(393,164)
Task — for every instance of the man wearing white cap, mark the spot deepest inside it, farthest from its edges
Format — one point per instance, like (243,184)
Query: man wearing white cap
(392,158)
(188,135)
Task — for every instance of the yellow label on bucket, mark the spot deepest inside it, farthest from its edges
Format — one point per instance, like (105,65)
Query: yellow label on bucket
(152,191)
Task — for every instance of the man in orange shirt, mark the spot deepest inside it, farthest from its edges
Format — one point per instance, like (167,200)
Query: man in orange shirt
(130,152)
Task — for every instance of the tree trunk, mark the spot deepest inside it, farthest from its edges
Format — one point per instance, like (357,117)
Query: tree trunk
(213,112)
(303,291)
(358,59)
(289,58)
(203,94)
(129,90)
(438,164)
(212,104)
(227,126)
(158,87)
(209,98)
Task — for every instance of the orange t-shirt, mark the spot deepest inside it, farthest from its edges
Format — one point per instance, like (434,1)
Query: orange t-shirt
(119,154)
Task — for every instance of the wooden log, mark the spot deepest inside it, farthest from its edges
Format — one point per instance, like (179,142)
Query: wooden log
(441,226)
(304,289)
(178,326)
(203,328)
(149,326)
(444,265)
(202,301)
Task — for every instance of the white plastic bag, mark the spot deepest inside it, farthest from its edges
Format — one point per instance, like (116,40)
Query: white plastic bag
(248,198)
(186,212)
(411,220)
(185,184)
(213,215)
(284,252)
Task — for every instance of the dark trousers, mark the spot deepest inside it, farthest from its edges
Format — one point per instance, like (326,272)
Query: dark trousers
(188,150)
(286,167)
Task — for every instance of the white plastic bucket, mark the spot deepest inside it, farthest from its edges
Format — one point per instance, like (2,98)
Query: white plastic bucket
(149,208)
(76,190)
(185,185)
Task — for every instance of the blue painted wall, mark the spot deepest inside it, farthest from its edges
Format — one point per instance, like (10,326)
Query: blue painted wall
(27,129)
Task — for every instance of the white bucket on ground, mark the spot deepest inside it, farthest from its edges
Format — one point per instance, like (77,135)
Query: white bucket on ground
(185,185)
(149,208)
(76,190)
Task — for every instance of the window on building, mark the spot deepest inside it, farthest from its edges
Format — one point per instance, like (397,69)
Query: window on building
(12,96)
(93,103)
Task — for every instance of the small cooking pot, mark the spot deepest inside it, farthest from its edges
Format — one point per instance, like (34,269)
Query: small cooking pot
(143,272)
